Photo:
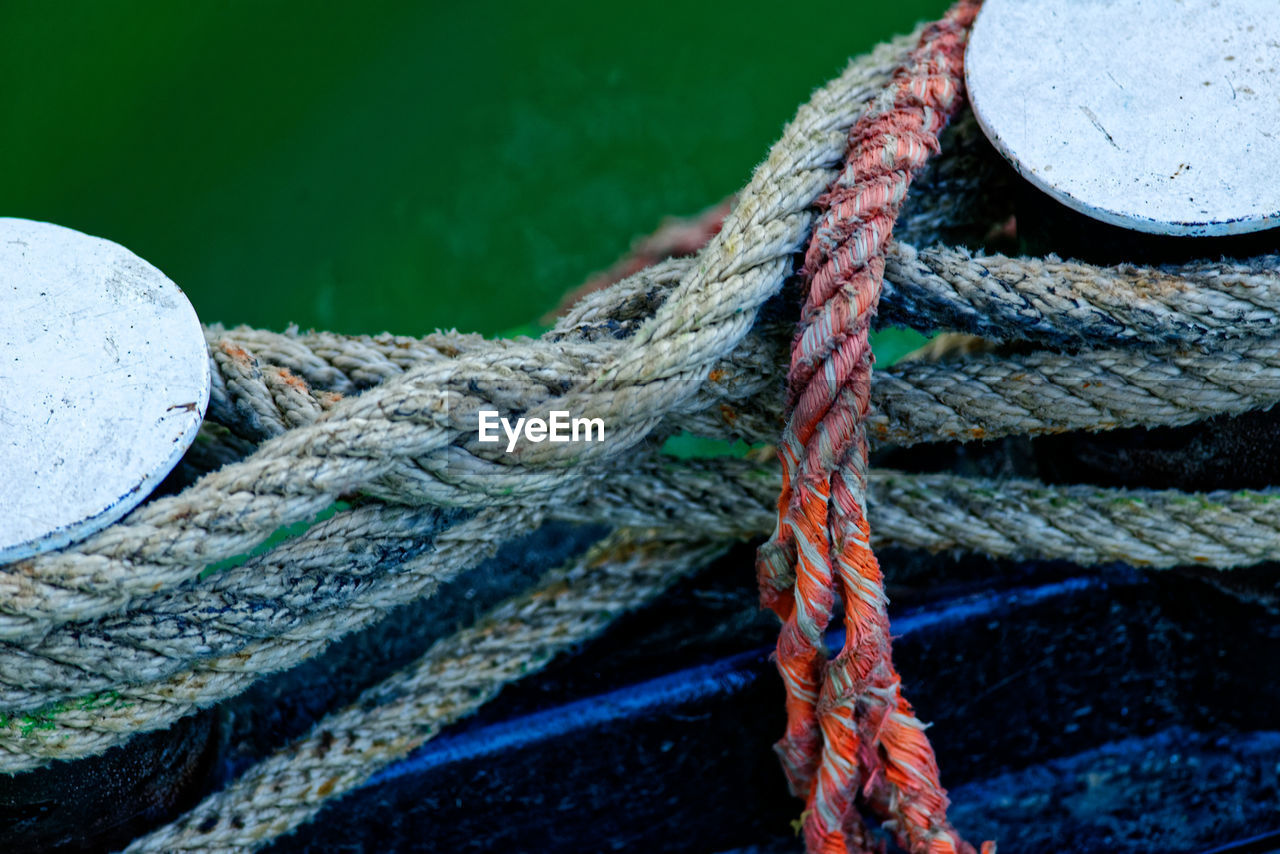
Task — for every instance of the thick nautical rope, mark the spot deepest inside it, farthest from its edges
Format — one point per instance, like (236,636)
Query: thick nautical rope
(569,605)
(452,679)
(168,541)
(400,439)
(392,439)
(176,652)
(987,395)
(260,398)
(848,727)
(120,635)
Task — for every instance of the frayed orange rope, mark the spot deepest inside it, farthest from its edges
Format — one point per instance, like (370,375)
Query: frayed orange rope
(849,729)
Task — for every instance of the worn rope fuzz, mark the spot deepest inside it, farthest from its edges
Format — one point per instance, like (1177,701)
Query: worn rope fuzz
(369,443)
(849,728)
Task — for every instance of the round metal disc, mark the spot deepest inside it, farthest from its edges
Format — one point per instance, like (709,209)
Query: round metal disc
(104,379)
(1156,115)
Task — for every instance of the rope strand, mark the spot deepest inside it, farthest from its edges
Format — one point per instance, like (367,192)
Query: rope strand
(848,726)
(126,632)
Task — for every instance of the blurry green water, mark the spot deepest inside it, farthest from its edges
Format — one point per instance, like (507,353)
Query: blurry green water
(394,165)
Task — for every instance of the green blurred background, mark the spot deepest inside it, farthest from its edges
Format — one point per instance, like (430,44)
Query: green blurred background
(399,166)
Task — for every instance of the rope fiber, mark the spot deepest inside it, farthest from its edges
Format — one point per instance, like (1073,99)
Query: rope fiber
(314,442)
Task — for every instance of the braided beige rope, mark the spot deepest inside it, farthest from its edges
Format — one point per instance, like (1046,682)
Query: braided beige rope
(989,395)
(156,681)
(399,440)
(451,680)
(289,603)
(299,421)
(1012,518)
(1060,303)
(1069,303)
(624,571)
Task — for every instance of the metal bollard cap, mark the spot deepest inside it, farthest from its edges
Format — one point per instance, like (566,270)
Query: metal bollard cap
(104,380)
(1161,116)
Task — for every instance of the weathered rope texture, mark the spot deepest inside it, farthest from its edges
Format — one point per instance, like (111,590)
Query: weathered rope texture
(395,440)
(176,652)
(1021,519)
(849,728)
(986,396)
(371,442)
(1068,303)
(399,438)
(452,679)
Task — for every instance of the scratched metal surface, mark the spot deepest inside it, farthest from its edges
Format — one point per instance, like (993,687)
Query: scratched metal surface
(104,379)
(1154,115)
